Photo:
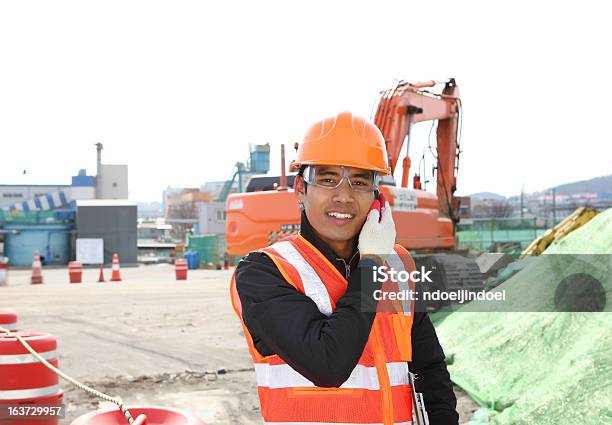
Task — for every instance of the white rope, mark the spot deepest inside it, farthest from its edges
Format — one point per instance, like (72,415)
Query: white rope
(117,400)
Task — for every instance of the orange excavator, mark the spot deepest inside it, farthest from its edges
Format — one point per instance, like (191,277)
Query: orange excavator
(425,222)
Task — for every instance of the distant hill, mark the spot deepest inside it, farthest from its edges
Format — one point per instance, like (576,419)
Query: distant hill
(487,195)
(596,185)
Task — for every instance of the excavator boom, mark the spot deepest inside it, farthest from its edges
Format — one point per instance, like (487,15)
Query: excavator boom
(406,104)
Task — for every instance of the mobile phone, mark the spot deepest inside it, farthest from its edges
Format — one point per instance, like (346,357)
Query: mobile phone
(380,204)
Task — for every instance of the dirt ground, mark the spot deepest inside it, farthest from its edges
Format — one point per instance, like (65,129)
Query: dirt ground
(150,339)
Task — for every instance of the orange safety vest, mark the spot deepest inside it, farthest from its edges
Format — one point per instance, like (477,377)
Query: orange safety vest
(377,391)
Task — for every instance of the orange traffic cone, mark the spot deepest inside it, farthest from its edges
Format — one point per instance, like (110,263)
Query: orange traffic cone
(36,269)
(101,275)
(115,276)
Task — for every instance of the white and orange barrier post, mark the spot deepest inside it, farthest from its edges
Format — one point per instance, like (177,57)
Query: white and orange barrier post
(36,269)
(3,272)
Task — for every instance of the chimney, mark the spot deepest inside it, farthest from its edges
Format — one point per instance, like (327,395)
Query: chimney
(99,148)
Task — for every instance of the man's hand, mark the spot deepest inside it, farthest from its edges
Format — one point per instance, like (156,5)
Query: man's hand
(377,235)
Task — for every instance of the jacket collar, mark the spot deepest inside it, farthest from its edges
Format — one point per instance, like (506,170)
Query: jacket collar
(343,265)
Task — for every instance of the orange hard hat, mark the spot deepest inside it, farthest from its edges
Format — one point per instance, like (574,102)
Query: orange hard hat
(346,140)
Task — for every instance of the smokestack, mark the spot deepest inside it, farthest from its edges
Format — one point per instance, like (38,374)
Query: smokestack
(99,148)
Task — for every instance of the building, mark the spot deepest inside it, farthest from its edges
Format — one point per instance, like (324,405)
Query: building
(195,211)
(22,197)
(112,182)
(112,221)
(44,217)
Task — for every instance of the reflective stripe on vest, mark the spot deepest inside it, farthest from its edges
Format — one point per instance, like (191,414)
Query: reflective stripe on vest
(284,376)
(396,264)
(313,286)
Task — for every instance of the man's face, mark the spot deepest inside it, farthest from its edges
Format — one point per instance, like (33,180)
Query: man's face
(337,214)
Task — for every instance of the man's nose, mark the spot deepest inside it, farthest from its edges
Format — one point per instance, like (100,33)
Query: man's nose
(343,193)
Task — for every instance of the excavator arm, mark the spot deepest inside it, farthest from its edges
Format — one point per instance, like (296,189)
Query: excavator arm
(406,104)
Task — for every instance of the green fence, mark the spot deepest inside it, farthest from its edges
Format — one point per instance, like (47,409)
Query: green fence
(208,246)
(36,217)
(511,236)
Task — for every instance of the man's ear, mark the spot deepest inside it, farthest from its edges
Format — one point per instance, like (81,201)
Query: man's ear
(299,188)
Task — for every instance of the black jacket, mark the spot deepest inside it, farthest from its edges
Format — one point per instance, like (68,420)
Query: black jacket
(325,349)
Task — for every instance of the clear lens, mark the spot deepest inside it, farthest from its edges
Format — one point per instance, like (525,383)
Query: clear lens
(331,177)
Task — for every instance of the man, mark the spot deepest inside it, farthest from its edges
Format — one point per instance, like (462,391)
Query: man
(322,353)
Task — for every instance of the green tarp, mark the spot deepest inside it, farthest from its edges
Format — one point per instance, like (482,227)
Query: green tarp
(530,367)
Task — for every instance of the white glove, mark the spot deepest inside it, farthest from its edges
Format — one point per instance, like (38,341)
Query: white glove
(377,238)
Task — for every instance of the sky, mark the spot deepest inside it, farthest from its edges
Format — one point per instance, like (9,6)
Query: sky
(179,89)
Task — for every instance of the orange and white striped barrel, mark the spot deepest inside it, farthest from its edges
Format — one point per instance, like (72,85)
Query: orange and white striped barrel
(75,271)
(180,268)
(23,378)
(37,276)
(8,319)
(53,400)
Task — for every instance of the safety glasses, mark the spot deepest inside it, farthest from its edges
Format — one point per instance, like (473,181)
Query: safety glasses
(332,176)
